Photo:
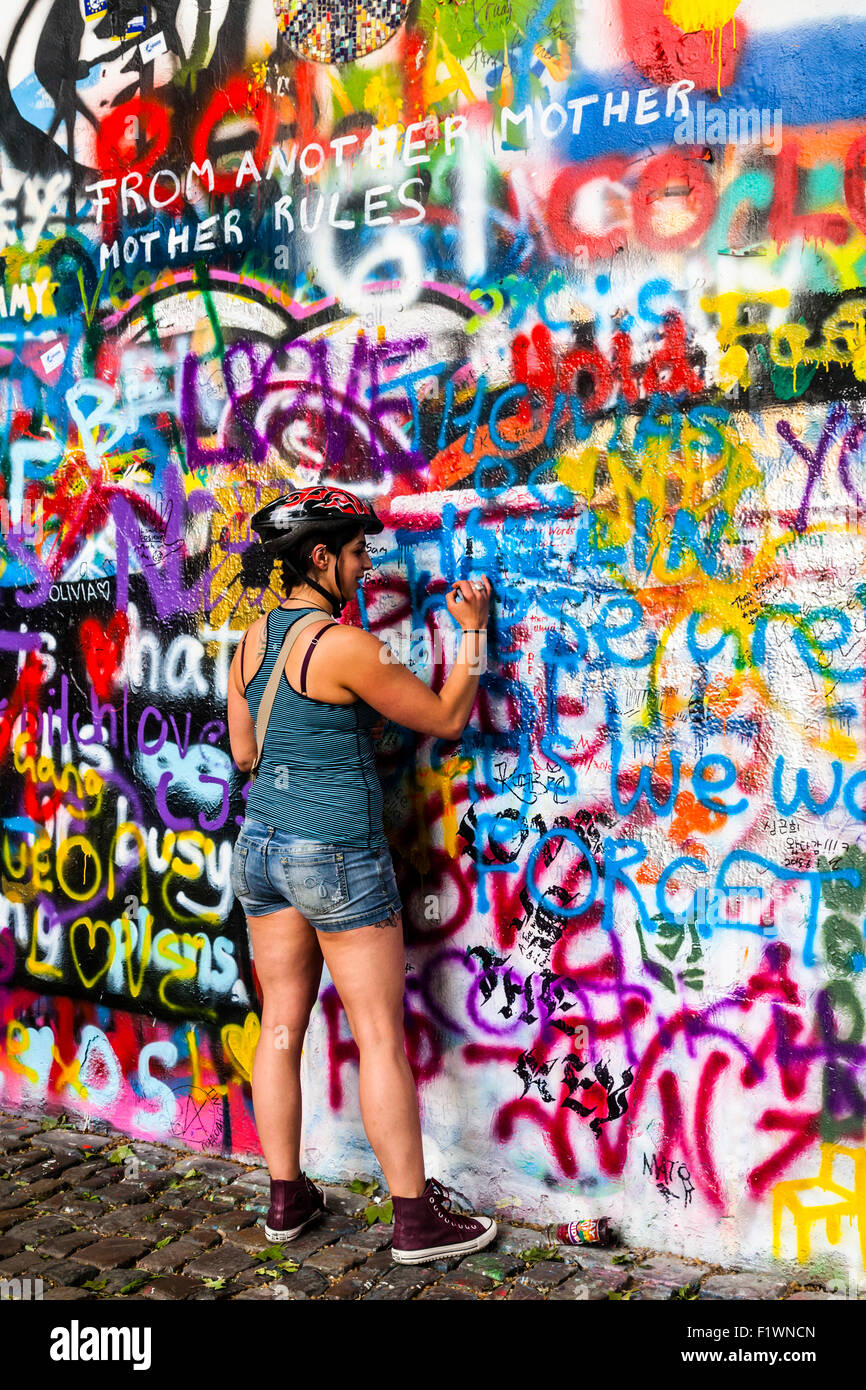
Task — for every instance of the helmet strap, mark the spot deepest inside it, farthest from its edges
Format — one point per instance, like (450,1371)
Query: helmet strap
(337,605)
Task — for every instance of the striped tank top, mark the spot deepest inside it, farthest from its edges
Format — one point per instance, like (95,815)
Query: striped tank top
(317,778)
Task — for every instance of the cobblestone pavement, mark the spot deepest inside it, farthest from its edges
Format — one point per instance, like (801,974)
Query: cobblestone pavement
(96,1216)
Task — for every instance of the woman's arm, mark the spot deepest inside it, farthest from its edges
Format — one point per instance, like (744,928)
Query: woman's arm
(372,673)
(242,731)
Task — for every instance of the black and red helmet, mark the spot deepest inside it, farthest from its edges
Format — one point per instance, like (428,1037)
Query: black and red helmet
(288,519)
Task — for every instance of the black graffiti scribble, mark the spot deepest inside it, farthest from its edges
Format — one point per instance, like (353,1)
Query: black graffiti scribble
(552,994)
(666,1192)
(552,988)
(490,963)
(532,1073)
(617,1104)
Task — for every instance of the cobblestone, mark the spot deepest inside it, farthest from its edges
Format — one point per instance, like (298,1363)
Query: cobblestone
(668,1271)
(340,1199)
(740,1286)
(67,1272)
(75,1140)
(334,1261)
(371,1238)
(255,1182)
(35,1231)
(110,1283)
(802,1294)
(60,1246)
(173,1287)
(469,1279)
(24,1262)
(176,1219)
(494,1263)
(13,1216)
(546,1274)
(67,1295)
(440,1294)
(112,1254)
(171,1257)
(95,1173)
(202,1237)
(253,1239)
(24,1158)
(593,1285)
(221,1263)
(214,1228)
(47,1188)
(214,1169)
(229,1222)
(402,1282)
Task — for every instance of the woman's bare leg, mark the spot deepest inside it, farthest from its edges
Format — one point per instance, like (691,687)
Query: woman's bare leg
(288,963)
(367,967)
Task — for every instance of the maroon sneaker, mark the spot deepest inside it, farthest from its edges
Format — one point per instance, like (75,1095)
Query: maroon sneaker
(294,1207)
(426,1226)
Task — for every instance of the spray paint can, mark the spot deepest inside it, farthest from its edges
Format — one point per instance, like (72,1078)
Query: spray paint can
(597,1232)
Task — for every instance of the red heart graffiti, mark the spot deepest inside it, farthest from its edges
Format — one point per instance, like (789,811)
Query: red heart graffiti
(663,53)
(103,650)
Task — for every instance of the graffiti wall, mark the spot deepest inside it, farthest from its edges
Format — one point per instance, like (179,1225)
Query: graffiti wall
(575,292)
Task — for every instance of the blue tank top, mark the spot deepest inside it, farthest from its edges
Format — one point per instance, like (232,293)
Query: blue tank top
(317,778)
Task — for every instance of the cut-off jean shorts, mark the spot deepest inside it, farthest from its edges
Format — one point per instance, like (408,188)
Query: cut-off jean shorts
(334,886)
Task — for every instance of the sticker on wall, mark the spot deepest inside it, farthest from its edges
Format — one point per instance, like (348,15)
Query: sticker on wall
(52,359)
(339,31)
(153,47)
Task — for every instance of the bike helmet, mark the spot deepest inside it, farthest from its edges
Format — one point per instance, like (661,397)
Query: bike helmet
(288,519)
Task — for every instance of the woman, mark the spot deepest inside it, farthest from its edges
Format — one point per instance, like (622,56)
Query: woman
(311,866)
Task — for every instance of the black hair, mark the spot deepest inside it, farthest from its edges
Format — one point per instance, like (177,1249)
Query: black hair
(295,562)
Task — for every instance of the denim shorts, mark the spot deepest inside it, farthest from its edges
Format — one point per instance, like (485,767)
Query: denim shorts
(334,886)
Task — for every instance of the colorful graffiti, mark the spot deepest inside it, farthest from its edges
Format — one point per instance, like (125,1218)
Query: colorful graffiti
(577,296)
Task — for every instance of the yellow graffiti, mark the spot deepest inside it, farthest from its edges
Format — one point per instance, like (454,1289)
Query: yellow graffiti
(190,870)
(194,1060)
(442,780)
(43,773)
(694,15)
(69,1073)
(32,856)
(240,1044)
(92,929)
(810,1200)
(17,1041)
(843,336)
(734,362)
(144,955)
(130,828)
(66,847)
(168,948)
(230,600)
(672,471)
(40,967)
(708,16)
(456,81)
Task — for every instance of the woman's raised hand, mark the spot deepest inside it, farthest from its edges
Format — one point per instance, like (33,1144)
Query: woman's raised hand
(468,602)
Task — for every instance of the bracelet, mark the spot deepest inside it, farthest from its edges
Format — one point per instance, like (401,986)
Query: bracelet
(474,629)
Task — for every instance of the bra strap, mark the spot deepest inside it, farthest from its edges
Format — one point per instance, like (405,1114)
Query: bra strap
(308,653)
(270,691)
